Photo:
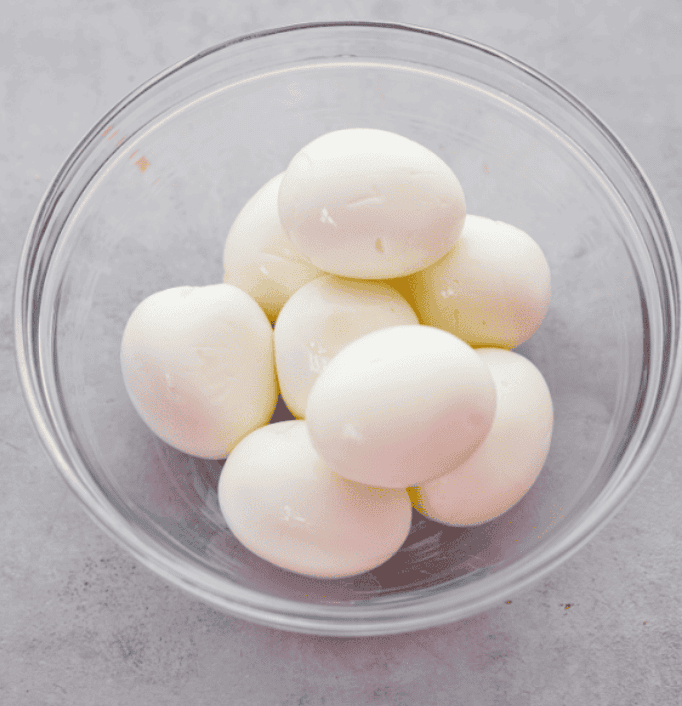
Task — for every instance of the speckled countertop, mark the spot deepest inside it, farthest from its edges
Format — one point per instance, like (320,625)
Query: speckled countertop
(83,624)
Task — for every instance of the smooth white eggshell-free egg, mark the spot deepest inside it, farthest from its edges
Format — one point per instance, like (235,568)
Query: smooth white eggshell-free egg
(370,204)
(492,289)
(287,506)
(505,466)
(259,258)
(320,319)
(198,365)
(400,406)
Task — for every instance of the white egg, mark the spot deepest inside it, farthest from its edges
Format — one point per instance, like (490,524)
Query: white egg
(259,258)
(370,204)
(492,289)
(401,406)
(287,506)
(320,319)
(198,365)
(507,463)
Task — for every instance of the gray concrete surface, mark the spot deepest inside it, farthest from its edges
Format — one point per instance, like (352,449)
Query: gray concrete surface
(82,624)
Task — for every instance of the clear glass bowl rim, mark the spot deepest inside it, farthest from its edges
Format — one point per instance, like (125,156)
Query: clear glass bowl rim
(354,620)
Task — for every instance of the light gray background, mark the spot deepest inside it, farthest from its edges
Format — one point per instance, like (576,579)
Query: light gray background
(82,624)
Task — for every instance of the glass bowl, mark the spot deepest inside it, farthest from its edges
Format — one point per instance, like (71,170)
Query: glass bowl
(145,202)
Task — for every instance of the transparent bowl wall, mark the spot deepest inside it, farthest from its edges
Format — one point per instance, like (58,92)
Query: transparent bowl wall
(145,203)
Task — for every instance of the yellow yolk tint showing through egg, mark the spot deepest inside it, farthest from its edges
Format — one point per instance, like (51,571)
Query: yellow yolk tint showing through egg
(492,289)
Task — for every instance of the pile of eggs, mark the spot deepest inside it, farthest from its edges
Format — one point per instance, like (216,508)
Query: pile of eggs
(395,314)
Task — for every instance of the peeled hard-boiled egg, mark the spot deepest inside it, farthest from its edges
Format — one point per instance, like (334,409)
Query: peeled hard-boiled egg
(400,406)
(320,319)
(198,365)
(505,466)
(282,502)
(370,204)
(259,258)
(492,289)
